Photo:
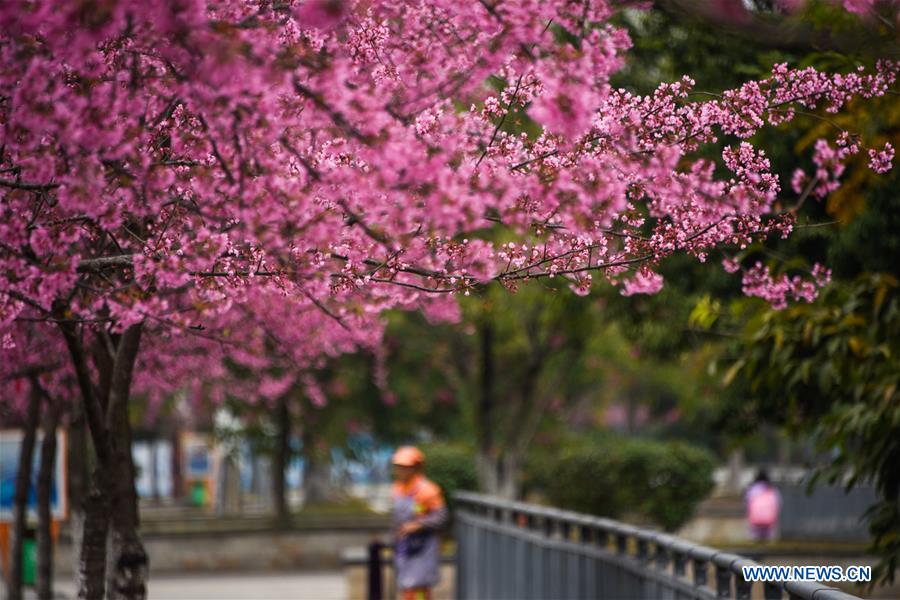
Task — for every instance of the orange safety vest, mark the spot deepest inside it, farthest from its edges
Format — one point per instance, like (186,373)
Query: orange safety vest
(425,494)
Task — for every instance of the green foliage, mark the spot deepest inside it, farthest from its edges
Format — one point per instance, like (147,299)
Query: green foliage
(562,475)
(666,479)
(451,466)
(543,351)
(833,368)
(342,507)
(657,481)
(425,362)
(668,45)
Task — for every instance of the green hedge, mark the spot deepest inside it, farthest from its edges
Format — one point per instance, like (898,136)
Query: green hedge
(656,481)
(451,466)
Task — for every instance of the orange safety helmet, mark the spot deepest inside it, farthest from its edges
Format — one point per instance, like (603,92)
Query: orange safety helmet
(408,456)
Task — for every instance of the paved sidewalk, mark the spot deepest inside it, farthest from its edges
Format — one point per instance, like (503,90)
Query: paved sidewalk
(238,586)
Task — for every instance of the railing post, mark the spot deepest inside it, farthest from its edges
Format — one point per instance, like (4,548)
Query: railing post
(724,563)
(723,582)
(811,590)
(375,587)
(621,543)
(662,557)
(601,574)
(462,556)
(664,551)
(700,572)
(772,591)
(743,589)
(679,563)
(680,553)
(565,529)
(658,560)
(642,553)
(586,534)
(700,559)
(601,537)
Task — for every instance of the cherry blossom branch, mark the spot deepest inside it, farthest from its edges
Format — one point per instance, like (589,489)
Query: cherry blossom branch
(500,122)
(28,185)
(325,310)
(92,265)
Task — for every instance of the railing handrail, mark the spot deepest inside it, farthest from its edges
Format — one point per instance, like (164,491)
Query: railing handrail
(668,549)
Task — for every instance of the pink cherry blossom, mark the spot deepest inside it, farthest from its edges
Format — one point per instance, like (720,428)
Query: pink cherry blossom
(881,161)
(321,14)
(256,184)
(643,282)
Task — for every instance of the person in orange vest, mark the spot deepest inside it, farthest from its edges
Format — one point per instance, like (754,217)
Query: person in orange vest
(419,514)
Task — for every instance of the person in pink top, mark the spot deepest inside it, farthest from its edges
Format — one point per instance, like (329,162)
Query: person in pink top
(763,506)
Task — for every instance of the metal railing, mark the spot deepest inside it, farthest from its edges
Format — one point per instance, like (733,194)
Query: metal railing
(516,551)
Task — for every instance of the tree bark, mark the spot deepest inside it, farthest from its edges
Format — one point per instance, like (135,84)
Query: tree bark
(498,465)
(735,470)
(177,479)
(45,488)
(92,553)
(77,480)
(317,484)
(231,487)
(280,459)
(111,517)
(20,498)
(500,474)
(506,429)
(154,470)
(486,467)
(90,575)
(498,468)
(126,559)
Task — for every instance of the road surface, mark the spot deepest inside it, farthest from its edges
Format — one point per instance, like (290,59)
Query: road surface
(239,586)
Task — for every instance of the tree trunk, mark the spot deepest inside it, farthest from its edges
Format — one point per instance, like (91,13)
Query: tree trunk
(45,518)
(499,468)
(486,459)
(486,470)
(90,574)
(154,470)
(20,498)
(317,484)
(177,478)
(77,470)
(510,484)
(126,559)
(280,460)
(231,487)
(735,471)
(92,559)
(500,475)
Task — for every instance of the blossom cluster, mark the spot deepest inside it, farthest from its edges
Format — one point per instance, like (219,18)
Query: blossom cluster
(778,290)
(277,175)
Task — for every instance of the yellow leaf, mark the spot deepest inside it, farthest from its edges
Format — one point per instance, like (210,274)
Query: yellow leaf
(732,372)
(879,296)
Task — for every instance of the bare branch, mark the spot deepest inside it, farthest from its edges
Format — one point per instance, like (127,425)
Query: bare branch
(91,265)
(27,185)
(325,310)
